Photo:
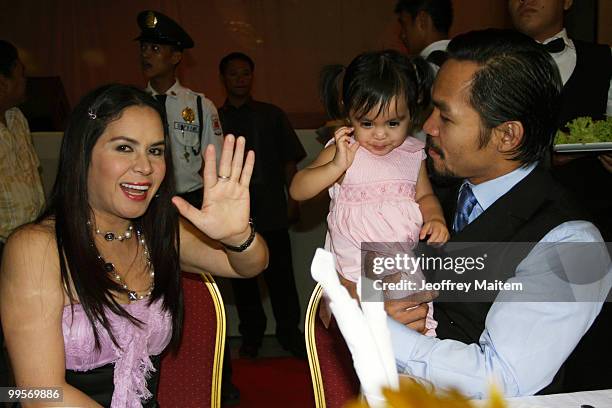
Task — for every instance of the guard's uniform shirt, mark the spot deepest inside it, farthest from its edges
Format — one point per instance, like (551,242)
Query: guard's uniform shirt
(185,127)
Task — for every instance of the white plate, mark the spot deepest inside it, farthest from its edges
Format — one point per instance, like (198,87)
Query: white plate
(583,147)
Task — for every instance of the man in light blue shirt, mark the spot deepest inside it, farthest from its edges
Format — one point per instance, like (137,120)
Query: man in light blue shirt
(495,112)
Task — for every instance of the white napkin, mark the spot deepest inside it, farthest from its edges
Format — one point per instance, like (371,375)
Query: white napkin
(376,319)
(365,332)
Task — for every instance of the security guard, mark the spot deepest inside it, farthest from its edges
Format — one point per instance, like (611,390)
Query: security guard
(193,122)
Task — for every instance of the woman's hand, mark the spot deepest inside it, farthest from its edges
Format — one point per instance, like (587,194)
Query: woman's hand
(345,153)
(224,215)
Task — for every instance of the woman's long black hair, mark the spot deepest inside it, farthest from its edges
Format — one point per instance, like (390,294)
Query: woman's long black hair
(69,207)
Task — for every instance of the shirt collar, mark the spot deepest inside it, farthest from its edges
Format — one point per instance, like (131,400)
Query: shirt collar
(561,34)
(174,90)
(490,191)
(248,103)
(434,46)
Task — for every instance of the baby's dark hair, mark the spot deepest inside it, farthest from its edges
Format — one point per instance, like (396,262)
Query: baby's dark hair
(372,79)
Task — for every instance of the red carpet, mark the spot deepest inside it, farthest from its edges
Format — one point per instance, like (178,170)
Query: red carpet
(273,382)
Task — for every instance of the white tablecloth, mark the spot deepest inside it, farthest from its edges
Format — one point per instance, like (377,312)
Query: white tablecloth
(596,399)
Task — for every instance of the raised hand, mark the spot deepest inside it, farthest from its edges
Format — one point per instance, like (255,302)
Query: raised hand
(345,152)
(225,209)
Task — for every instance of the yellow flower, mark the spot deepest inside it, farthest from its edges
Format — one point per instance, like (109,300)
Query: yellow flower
(414,395)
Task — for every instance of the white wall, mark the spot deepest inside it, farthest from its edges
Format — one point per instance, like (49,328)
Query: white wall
(47,145)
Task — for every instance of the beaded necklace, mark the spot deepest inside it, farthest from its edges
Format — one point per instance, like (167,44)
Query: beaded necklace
(111,236)
(110,268)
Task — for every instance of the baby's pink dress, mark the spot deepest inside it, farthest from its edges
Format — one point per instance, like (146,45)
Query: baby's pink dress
(375,203)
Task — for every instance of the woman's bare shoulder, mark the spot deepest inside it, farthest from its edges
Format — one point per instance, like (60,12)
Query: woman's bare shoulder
(32,298)
(31,251)
(33,237)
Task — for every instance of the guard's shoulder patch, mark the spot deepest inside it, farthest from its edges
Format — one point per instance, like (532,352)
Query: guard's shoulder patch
(196,94)
(216,125)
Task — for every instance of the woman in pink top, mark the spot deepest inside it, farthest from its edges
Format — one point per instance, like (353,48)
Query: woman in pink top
(374,170)
(90,293)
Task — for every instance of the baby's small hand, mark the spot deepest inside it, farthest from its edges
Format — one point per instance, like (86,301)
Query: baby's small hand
(345,153)
(437,232)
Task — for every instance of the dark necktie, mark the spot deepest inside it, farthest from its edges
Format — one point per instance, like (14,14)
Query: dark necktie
(162,101)
(555,46)
(465,205)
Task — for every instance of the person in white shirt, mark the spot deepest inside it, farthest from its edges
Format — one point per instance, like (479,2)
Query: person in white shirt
(192,119)
(585,68)
(543,20)
(424,27)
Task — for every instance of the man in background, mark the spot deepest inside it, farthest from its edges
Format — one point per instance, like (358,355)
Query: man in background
(277,151)
(192,119)
(193,122)
(424,26)
(586,72)
(21,191)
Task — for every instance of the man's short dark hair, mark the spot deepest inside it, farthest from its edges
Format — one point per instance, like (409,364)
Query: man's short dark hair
(517,81)
(441,11)
(235,56)
(8,58)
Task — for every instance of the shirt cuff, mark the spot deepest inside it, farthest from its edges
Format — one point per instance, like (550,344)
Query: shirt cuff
(403,341)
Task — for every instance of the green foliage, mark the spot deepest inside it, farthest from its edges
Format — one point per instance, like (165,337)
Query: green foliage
(586,130)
